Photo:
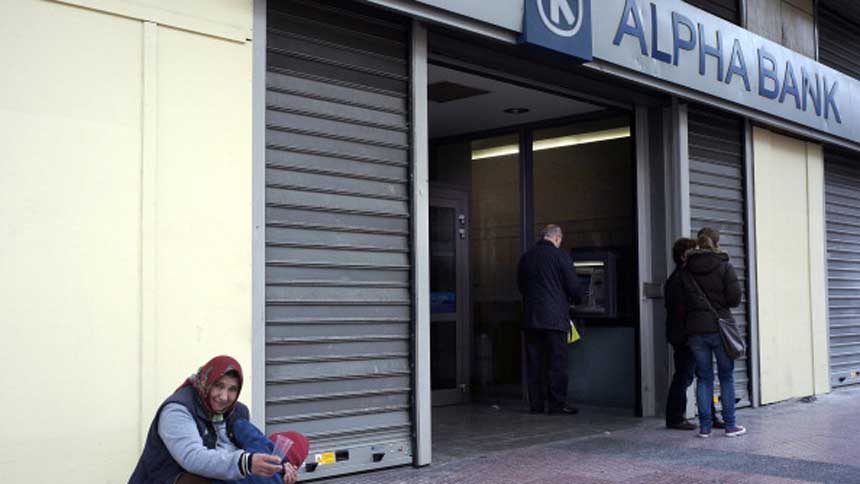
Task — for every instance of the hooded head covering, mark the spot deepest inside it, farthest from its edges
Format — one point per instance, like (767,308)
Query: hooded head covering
(208,374)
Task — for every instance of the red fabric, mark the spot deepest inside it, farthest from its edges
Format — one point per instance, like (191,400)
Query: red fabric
(208,374)
(298,451)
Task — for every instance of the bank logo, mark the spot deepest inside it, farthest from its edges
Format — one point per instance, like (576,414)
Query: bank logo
(563,19)
(560,25)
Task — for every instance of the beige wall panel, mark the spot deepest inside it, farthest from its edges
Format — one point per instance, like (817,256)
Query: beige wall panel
(818,268)
(230,19)
(787,22)
(70,97)
(782,234)
(202,235)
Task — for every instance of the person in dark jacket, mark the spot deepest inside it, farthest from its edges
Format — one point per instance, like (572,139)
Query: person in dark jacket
(201,434)
(709,274)
(548,283)
(685,364)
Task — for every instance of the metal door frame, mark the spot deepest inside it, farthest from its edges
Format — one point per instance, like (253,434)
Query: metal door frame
(441,196)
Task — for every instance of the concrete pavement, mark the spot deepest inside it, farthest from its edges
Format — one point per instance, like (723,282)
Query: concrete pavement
(791,442)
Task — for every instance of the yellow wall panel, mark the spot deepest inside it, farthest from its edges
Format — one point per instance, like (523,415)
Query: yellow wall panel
(818,268)
(125,215)
(202,227)
(789,218)
(70,98)
(228,19)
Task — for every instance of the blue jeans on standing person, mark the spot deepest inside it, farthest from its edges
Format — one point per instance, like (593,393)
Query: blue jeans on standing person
(705,347)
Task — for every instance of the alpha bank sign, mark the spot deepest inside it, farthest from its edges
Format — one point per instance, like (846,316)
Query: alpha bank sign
(673,41)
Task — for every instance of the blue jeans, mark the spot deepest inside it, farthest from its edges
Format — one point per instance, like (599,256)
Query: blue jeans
(250,439)
(705,347)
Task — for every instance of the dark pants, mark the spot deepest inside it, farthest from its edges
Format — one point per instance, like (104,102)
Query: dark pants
(685,371)
(546,368)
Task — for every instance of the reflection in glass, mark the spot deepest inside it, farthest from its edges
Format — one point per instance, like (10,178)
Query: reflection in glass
(443,260)
(581,182)
(443,297)
(495,248)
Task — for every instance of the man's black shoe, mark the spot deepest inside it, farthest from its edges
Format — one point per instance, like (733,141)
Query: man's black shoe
(565,411)
(718,424)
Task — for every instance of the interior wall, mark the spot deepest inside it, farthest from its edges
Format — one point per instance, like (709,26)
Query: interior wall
(790,265)
(587,190)
(125,205)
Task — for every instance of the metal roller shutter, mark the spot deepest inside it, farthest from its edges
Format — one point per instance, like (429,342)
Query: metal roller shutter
(718,199)
(725,9)
(839,36)
(842,206)
(338,251)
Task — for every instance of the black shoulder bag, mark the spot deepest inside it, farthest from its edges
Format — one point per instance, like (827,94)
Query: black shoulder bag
(730,334)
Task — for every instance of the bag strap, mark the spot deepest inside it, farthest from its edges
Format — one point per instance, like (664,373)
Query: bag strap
(702,293)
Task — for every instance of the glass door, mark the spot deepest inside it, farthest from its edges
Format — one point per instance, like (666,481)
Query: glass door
(449,299)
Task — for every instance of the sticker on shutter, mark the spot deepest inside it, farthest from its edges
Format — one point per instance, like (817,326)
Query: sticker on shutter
(324,458)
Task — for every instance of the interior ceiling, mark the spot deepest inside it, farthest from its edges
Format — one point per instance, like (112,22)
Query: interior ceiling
(486,111)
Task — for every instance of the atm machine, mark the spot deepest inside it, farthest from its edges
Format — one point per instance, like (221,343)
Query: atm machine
(602,366)
(597,270)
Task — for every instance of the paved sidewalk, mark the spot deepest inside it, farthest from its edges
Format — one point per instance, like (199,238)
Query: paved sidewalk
(792,442)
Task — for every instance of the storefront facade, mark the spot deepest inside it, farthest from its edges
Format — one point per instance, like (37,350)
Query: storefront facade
(294,222)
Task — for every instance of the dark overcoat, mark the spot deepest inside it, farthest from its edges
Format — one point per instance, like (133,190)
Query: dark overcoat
(548,283)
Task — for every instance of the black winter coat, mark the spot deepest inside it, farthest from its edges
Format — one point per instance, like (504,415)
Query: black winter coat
(548,283)
(673,296)
(717,278)
(156,465)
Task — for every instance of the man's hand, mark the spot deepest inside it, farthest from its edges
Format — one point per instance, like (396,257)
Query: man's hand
(265,465)
(291,474)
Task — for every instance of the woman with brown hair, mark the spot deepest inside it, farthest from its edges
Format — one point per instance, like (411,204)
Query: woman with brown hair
(711,285)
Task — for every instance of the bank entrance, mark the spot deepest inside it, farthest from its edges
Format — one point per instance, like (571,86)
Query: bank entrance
(505,159)
(363,280)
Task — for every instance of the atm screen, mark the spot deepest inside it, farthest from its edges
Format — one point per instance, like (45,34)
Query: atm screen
(591,275)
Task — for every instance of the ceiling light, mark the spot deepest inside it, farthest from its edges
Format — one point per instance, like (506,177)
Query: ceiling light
(581,139)
(559,142)
(516,110)
(494,152)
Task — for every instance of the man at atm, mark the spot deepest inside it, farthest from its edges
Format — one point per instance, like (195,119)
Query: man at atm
(548,283)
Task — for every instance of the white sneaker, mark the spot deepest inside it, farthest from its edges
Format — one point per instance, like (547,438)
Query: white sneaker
(703,434)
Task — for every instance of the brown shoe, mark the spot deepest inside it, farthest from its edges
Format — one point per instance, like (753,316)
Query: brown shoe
(682,425)
(718,424)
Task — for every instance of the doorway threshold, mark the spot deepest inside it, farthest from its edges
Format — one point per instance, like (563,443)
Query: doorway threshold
(480,429)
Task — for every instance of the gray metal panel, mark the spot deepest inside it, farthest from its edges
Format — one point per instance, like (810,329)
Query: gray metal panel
(842,205)
(725,9)
(717,199)
(338,282)
(838,39)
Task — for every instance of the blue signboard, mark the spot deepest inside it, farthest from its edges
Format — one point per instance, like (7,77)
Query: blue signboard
(676,42)
(560,25)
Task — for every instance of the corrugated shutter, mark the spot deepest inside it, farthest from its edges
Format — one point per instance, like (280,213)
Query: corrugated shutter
(842,205)
(725,9)
(718,199)
(839,38)
(338,251)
